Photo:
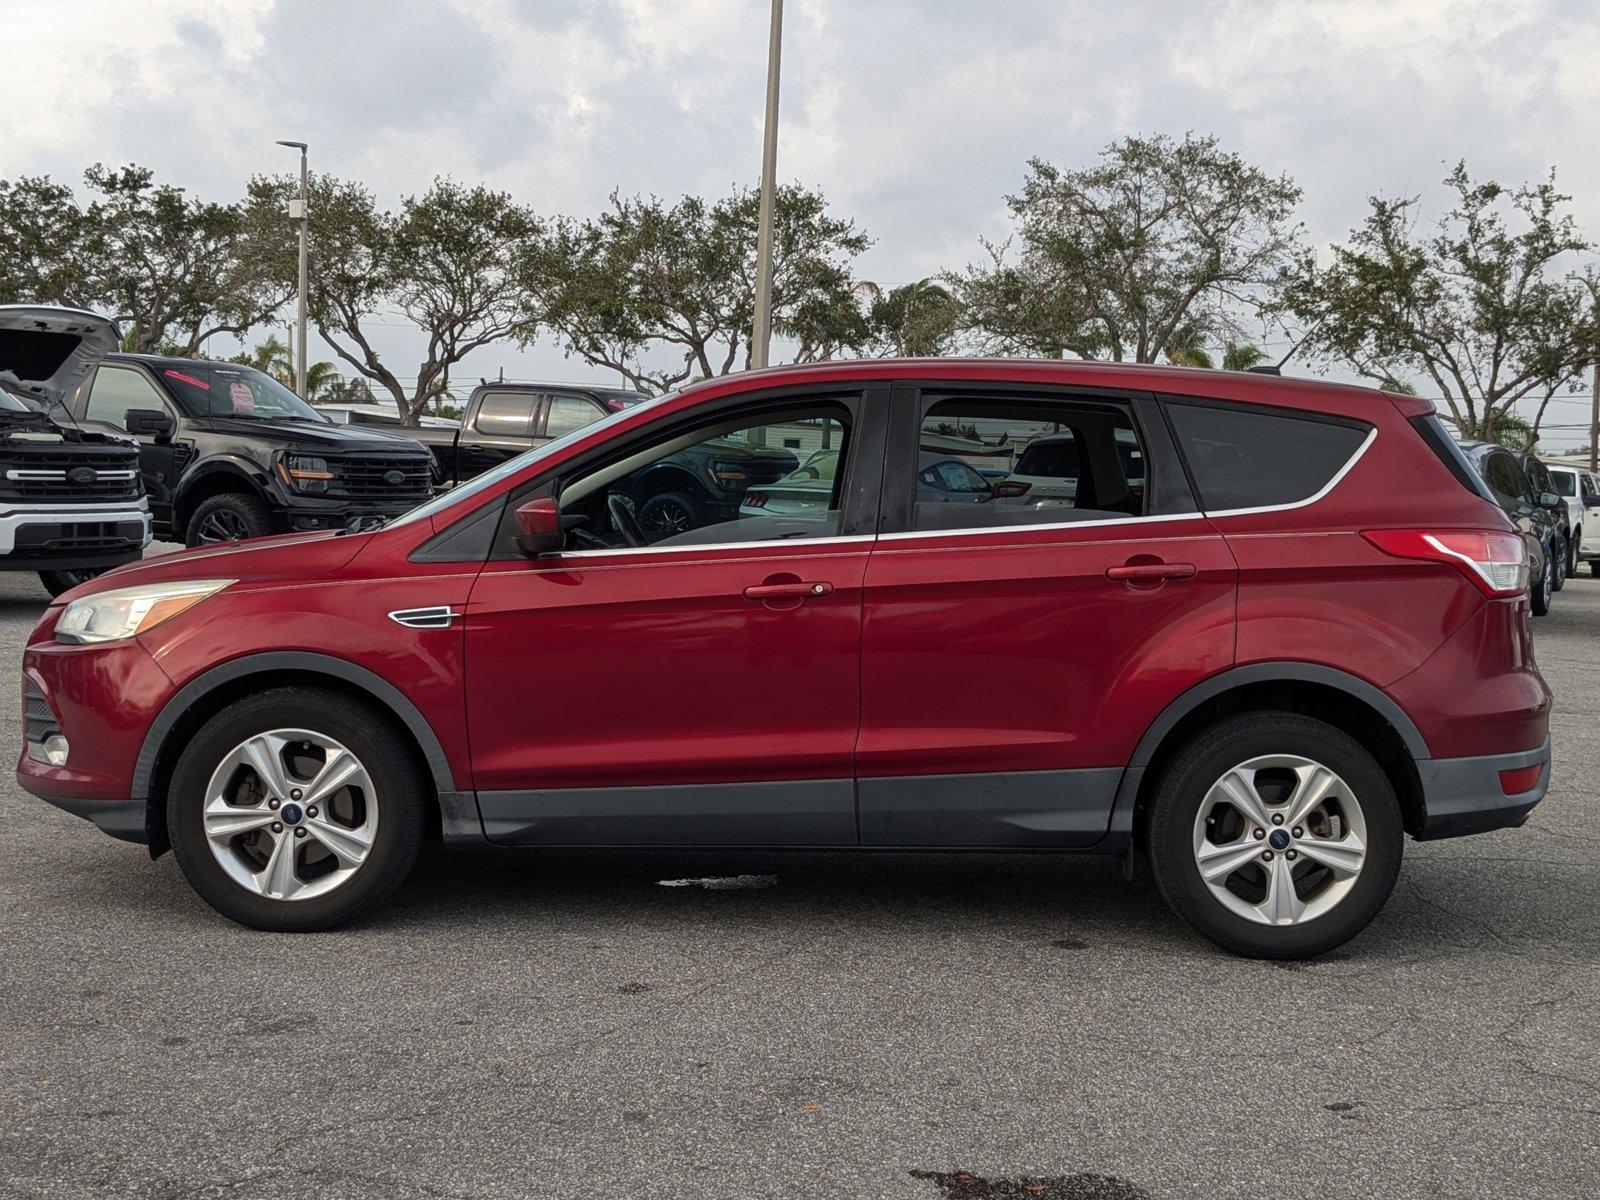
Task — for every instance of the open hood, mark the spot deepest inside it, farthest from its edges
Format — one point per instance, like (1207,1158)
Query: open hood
(45,351)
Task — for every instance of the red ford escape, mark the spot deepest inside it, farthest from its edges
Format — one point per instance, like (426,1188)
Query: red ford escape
(1255,629)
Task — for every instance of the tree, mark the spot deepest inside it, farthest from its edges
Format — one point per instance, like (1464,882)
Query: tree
(1479,305)
(45,239)
(1120,258)
(443,262)
(323,380)
(915,320)
(664,293)
(1188,349)
(173,270)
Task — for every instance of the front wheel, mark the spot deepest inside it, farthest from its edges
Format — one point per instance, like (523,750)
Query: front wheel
(668,513)
(1559,553)
(295,809)
(230,517)
(56,582)
(1275,835)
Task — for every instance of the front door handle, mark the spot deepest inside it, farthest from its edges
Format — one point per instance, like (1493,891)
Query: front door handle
(1150,572)
(798,590)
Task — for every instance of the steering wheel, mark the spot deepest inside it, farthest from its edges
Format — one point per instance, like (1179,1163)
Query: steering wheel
(622,520)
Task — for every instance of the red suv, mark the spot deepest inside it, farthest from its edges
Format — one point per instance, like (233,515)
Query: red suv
(1258,630)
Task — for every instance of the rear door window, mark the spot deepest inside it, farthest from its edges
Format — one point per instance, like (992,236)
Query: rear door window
(507,414)
(1244,458)
(991,462)
(567,413)
(1505,478)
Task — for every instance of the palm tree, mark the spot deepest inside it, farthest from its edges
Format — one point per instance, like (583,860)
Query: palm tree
(272,356)
(1237,357)
(1187,348)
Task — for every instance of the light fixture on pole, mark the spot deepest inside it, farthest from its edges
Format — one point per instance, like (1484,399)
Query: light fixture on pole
(761,336)
(299,213)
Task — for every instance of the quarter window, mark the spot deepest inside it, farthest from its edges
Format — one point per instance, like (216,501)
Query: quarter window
(115,391)
(1247,459)
(506,414)
(995,462)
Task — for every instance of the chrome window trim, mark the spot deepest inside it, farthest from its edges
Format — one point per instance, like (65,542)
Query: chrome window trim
(1338,477)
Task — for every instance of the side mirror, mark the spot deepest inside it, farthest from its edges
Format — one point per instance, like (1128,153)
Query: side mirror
(1551,501)
(538,526)
(151,421)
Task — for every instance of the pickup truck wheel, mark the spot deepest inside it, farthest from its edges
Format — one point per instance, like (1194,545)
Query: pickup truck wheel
(56,582)
(1572,552)
(667,513)
(296,808)
(230,517)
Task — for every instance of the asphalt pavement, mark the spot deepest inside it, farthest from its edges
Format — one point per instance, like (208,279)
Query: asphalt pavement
(544,1024)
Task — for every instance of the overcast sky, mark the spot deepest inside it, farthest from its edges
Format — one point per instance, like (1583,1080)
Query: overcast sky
(914,118)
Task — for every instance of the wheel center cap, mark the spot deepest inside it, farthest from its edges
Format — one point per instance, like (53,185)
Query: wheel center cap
(1278,839)
(291,814)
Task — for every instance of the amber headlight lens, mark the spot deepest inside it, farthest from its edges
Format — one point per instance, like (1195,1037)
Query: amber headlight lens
(128,612)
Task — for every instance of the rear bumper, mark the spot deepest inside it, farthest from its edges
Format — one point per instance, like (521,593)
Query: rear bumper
(1464,795)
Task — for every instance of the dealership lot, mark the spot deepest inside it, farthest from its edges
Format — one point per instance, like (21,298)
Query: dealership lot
(558,1024)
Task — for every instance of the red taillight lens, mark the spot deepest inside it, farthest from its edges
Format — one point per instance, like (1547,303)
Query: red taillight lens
(1520,779)
(1496,561)
(755,499)
(1010,487)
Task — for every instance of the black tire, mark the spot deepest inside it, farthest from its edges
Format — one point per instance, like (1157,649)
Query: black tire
(399,781)
(1559,553)
(56,582)
(667,513)
(1572,552)
(1594,567)
(1205,759)
(1543,588)
(230,516)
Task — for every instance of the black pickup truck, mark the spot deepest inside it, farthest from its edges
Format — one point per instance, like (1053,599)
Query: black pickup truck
(693,487)
(228,452)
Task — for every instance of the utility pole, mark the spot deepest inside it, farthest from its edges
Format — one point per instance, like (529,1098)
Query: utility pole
(761,337)
(1594,421)
(299,213)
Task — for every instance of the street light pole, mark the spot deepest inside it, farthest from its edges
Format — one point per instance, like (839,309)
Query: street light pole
(761,337)
(298,212)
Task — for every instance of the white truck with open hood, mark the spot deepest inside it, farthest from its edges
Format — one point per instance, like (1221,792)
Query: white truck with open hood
(72,503)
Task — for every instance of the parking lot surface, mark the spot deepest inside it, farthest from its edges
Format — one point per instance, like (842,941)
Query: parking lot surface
(559,1024)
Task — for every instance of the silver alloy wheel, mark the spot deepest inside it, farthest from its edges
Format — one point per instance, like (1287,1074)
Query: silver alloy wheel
(1280,839)
(290,814)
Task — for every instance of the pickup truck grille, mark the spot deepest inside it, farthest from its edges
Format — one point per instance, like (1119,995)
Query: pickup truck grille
(376,475)
(73,475)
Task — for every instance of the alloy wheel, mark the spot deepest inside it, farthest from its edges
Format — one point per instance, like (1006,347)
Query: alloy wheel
(223,525)
(290,814)
(667,516)
(1280,839)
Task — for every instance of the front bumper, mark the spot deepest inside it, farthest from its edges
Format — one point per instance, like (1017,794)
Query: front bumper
(59,537)
(309,512)
(1465,795)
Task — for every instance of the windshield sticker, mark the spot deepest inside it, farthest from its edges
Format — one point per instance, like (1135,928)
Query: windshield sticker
(244,400)
(189,379)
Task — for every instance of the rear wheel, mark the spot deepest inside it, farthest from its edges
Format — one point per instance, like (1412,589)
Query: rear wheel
(1559,553)
(56,582)
(296,809)
(1572,552)
(1543,586)
(230,517)
(1275,835)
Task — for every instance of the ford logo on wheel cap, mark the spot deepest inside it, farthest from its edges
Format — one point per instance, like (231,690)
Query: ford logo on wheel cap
(82,475)
(394,478)
(1278,840)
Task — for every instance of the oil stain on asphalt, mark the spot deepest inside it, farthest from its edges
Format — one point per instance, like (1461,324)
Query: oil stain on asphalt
(964,1185)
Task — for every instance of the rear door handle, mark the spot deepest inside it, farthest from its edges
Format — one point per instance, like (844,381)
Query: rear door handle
(1146,572)
(781,591)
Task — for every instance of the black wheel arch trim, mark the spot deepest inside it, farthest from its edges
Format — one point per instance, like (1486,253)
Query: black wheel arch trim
(1264,672)
(258,482)
(290,660)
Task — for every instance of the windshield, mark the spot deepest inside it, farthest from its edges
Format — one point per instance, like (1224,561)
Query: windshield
(214,391)
(510,467)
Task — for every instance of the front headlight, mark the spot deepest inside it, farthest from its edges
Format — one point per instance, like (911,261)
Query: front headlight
(128,612)
(305,473)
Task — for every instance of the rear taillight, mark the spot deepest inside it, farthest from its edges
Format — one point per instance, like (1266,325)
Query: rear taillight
(1007,488)
(755,499)
(1496,561)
